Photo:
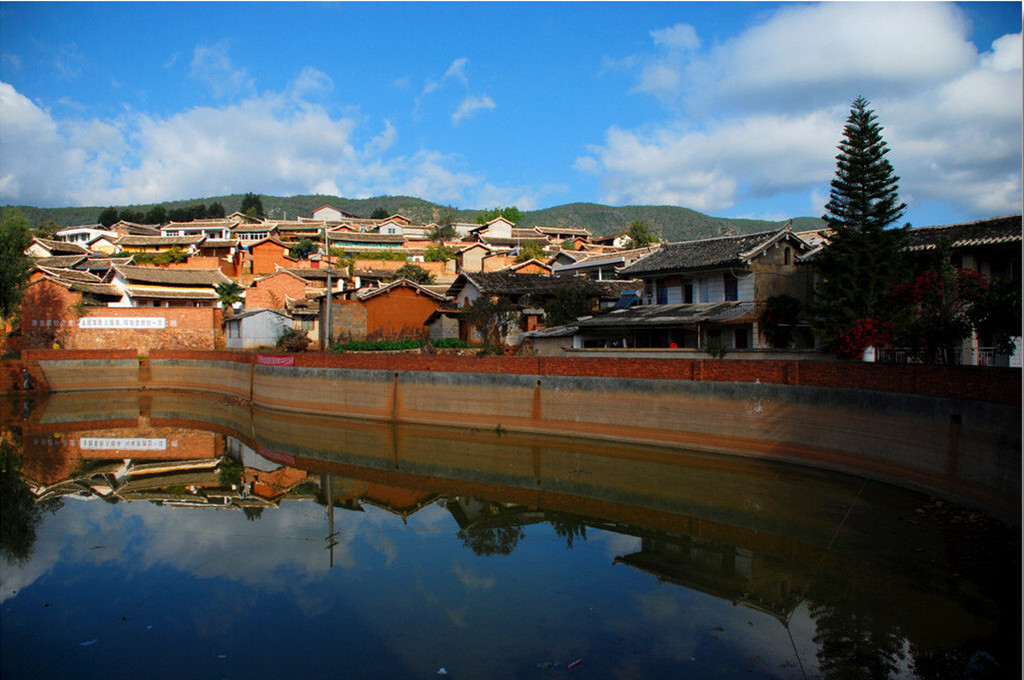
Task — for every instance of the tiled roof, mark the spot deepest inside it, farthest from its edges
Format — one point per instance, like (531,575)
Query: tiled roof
(107,290)
(511,284)
(140,229)
(158,241)
(309,274)
(705,253)
(62,247)
(364,237)
(672,315)
(983,232)
(574,231)
(171,293)
(69,274)
(103,263)
(220,243)
(59,261)
(400,283)
(171,277)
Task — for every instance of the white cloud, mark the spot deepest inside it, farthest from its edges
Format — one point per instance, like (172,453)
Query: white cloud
(212,65)
(780,93)
(679,37)
(312,82)
(470,106)
(457,70)
(280,144)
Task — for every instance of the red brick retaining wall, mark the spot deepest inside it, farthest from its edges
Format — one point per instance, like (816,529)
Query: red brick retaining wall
(979,383)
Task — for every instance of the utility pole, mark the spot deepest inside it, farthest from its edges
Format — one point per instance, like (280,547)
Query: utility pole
(330,298)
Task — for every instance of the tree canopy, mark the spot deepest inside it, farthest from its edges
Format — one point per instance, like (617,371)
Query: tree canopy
(864,259)
(641,235)
(304,248)
(413,273)
(15,237)
(251,203)
(511,213)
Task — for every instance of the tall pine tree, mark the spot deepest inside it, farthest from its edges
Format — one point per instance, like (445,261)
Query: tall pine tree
(864,258)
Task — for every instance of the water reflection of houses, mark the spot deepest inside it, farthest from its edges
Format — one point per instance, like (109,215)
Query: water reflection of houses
(729,572)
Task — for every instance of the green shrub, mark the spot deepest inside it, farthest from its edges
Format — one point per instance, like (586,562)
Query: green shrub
(377,345)
(451,343)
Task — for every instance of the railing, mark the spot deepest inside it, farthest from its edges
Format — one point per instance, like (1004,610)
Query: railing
(973,356)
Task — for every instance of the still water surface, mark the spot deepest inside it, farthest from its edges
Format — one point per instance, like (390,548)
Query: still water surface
(164,536)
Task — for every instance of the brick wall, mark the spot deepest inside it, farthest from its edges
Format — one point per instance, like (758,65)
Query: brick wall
(997,385)
(270,293)
(50,315)
(398,313)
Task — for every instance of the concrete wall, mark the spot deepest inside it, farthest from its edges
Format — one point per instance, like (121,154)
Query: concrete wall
(952,445)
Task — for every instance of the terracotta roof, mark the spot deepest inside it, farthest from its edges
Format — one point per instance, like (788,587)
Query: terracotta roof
(158,241)
(724,251)
(171,277)
(983,232)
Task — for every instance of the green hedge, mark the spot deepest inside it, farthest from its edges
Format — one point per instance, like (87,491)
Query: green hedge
(397,345)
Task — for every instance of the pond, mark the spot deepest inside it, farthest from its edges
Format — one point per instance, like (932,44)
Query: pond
(163,535)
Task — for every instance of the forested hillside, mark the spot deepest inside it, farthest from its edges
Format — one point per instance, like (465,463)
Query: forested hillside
(671,223)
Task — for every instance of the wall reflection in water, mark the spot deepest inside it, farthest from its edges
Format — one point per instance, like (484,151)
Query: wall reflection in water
(407,549)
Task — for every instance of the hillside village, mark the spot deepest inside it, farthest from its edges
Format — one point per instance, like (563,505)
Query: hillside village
(245,283)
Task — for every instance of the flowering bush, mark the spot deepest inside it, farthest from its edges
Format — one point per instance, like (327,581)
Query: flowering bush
(862,333)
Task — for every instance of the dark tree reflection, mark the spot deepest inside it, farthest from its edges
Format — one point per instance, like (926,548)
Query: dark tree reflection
(20,515)
(569,527)
(855,644)
(492,540)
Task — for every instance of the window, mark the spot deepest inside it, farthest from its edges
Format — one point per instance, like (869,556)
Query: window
(731,287)
(786,255)
(662,290)
(688,292)
(740,338)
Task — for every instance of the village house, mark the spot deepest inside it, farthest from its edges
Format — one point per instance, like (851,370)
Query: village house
(600,266)
(214,228)
(44,247)
(991,247)
(255,328)
(328,213)
(162,287)
(700,292)
(158,244)
(397,310)
(528,292)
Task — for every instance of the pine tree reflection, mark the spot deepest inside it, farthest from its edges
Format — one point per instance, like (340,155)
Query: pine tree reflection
(20,514)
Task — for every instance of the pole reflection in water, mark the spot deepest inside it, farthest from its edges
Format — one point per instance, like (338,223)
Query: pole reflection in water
(147,535)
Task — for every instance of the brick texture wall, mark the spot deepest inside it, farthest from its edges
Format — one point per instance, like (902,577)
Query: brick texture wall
(270,293)
(50,315)
(997,385)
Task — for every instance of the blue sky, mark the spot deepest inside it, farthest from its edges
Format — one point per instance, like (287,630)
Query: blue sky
(732,109)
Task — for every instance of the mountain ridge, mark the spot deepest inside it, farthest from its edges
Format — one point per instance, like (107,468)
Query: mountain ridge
(671,223)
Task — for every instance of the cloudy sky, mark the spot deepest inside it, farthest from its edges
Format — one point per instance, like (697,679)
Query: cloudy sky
(732,109)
